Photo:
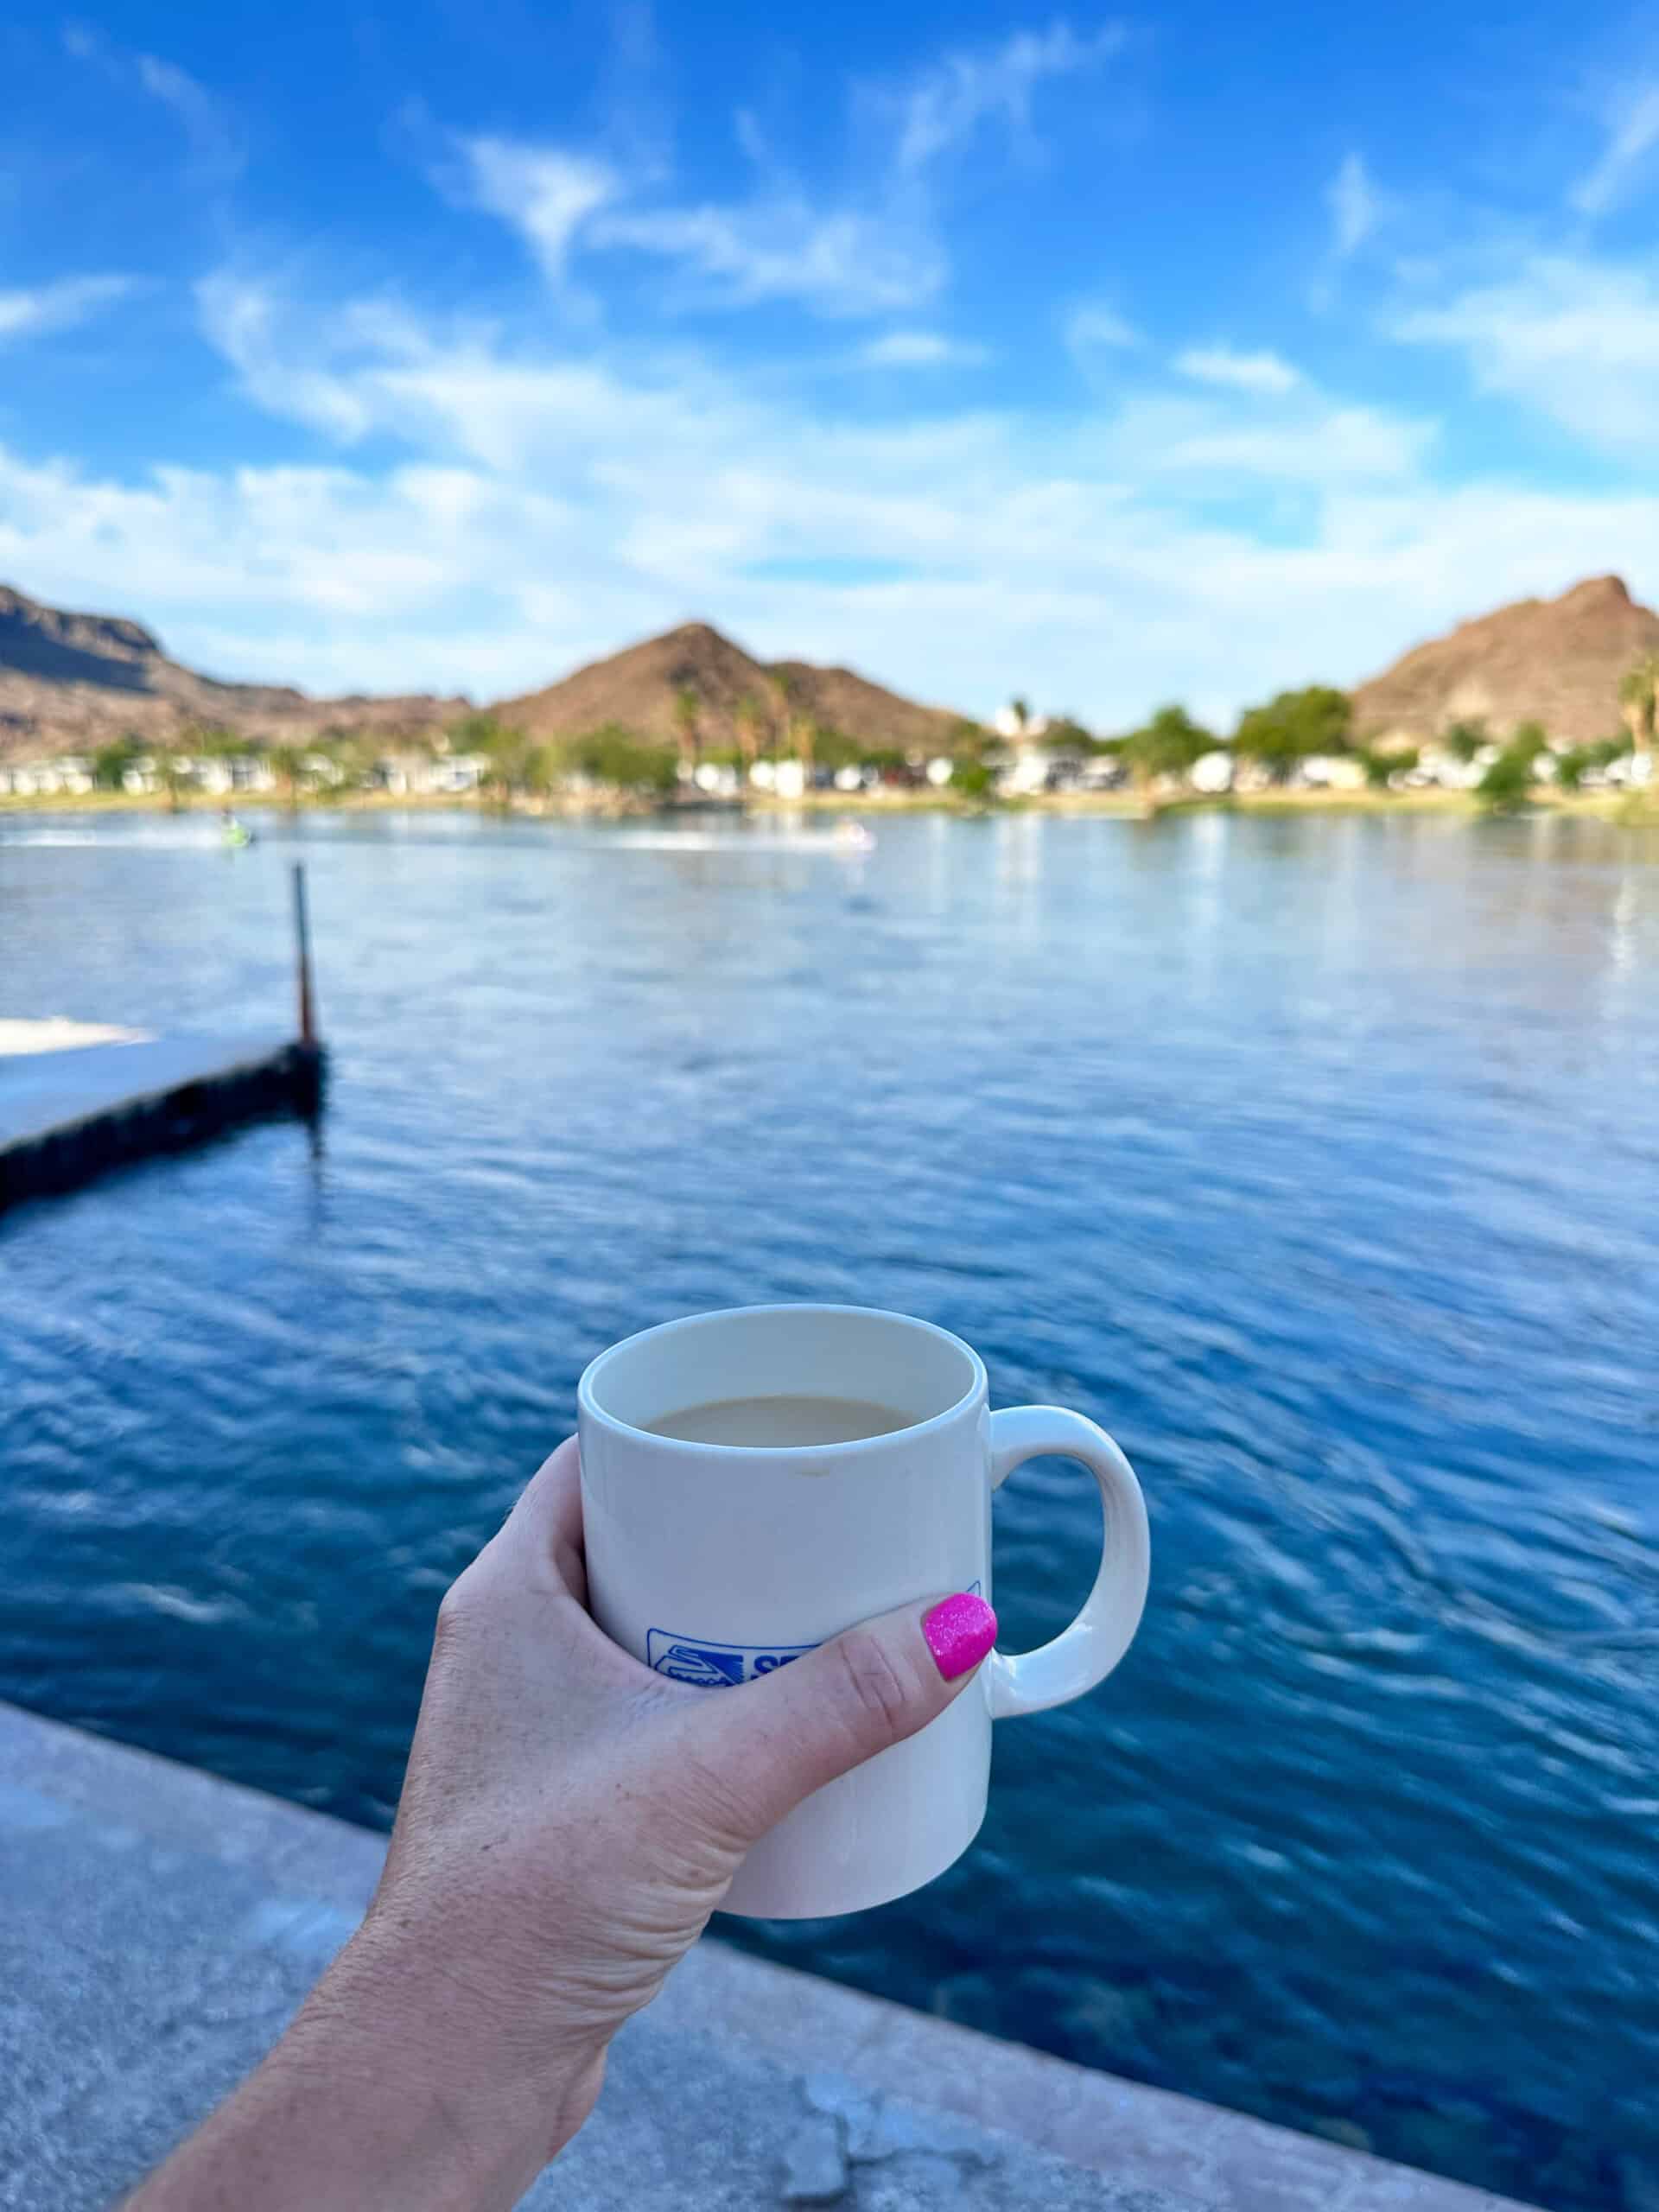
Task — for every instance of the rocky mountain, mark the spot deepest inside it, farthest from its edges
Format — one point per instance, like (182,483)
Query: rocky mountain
(640,687)
(1555,661)
(70,683)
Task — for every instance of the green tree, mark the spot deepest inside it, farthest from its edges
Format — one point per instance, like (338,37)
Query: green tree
(1167,746)
(972,779)
(1021,709)
(1067,734)
(504,747)
(1294,727)
(214,741)
(110,762)
(782,684)
(285,760)
(1529,740)
(612,755)
(1507,783)
(482,733)
(1570,767)
(793,729)
(1639,697)
(540,768)
(1381,767)
(833,748)
(1463,739)
(747,718)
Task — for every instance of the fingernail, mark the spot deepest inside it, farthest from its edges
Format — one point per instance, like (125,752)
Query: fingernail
(959,1630)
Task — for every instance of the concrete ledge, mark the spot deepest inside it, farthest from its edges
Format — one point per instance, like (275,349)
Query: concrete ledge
(160,1925)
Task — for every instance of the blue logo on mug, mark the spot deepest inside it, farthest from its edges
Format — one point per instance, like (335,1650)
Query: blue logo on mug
(720,1666)
(715,1666)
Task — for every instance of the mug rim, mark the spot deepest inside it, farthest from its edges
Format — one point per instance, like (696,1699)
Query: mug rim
(587,1403)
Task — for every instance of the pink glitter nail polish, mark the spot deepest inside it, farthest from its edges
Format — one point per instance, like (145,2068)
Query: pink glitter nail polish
(959,1630)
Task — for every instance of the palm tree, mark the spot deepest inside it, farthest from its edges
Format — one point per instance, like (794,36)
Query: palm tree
(748,731)
(794,728)
(1638,695)
(783,693)
(686,708)
(285,759)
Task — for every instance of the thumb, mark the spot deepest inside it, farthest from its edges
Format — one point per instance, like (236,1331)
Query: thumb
(780,1737)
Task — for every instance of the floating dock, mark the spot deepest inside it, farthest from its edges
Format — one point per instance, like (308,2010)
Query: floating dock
(76,1098)
(69,1113)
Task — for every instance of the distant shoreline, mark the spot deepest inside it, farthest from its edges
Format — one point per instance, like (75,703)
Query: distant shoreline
(1121,804)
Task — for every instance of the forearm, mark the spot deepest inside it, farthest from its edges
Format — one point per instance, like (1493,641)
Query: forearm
(383,2094)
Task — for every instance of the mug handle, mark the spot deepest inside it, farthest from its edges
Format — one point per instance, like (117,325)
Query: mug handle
(1086,1652)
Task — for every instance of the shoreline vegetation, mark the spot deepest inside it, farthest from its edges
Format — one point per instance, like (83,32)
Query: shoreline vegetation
(1612,804)
(1299,751)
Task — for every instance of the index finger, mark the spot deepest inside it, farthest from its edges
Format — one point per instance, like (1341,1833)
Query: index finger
(545,1526)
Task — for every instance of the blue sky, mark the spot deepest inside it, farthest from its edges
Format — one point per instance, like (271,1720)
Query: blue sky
(1107,358)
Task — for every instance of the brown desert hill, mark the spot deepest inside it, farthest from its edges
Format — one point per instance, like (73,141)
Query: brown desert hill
(72,681)
(1554,661)
(638,688)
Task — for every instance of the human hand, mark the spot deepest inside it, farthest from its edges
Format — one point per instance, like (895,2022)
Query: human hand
(568,1821)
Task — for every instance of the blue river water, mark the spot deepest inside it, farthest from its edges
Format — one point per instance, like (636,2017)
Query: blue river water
(1319,1159)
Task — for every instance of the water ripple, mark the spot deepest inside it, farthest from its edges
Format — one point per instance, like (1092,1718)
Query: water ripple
(1317,1159)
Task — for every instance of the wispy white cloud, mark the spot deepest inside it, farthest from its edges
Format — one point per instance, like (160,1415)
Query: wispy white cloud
(58,305)
(1302,442)
(868,247)
(1091,329)
(920,349)
(1633,133)
(850,259)
(1577,340)
(215,144)
(943,109)
(780,247)
(244,321)
(543,192)
(1357,207)
(1257,372)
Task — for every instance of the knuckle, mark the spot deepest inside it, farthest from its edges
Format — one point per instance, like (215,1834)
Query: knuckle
(708,1806)
(456,1610)
(876,1689)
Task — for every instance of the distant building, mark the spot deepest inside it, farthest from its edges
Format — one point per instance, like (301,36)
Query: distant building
(1101,771)
(1331,771)
(41,778)
(1212,773)
(1027,774)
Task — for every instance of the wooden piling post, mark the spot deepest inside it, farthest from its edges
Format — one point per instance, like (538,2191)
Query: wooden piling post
(303,947)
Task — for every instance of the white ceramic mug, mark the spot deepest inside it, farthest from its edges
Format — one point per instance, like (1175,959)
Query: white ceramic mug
(716,1562)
